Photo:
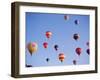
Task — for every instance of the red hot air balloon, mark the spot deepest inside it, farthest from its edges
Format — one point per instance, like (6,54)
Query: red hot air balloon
(78,51)
(76,36)
(45,44)
(88,51)
(61,57)
(48,34)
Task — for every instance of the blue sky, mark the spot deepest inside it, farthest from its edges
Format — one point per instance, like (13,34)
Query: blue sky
(62,35)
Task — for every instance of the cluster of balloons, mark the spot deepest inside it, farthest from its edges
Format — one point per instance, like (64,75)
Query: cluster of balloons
(66,17)
(33,46)
(48,35)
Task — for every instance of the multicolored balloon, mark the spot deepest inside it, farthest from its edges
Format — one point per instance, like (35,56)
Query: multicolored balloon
(48,34)
(45,45)
(32,47)
(76,36)
(61,57)
(88,51)
(56,47)
(78,51)
(76,22)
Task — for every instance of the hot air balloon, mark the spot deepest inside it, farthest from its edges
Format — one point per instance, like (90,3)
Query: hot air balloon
(78,51)
(87,43)
(74,62)
(45,44)
(48,34)
(61,57)
(66,17)
(47,59)
(56,47)
(28,65)
(76,36)
(88,51)
(32,47)
(76,22)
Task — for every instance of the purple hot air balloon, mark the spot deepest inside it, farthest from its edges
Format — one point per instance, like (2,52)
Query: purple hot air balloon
(88,51)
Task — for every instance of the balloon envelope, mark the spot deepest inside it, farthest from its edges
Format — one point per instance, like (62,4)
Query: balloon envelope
(32,47)
(76,22)
(76,36)
(45,44)
(74,62)
(61,57)
(88,51)
(47,59)
(56,47)
(78,51)
(48,34)
(87,43)
(28,65)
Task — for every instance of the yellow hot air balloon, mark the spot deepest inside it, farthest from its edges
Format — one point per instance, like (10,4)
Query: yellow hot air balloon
(32,47)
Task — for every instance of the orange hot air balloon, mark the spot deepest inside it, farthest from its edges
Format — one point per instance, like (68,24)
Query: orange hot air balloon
(32,47)
(61,57)
(45,44)
(78,51)
(48,34)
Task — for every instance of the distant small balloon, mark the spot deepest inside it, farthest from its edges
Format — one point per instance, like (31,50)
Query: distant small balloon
(74,62)
(28,65)
(56,47)
(76,22)
(88,51)
(47,59)
(76,36)
(66,17)
(61,57)
(78,51)
(45,44)
(87,43)
(48,34)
